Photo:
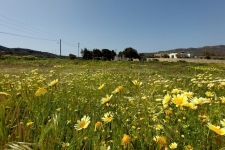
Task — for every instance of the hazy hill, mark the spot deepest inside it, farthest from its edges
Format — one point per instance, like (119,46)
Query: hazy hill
(218,50)
(25,52)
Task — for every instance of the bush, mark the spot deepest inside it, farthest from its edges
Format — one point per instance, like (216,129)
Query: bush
(182,61)
(155,59)
(208,57)
(29,58)
(71,56)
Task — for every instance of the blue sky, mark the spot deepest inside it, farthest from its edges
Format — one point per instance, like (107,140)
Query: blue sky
(145,25)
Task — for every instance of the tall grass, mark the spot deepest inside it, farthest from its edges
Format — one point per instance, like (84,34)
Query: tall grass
(145,115)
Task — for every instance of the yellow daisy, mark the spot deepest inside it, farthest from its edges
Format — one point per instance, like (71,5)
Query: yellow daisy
(29,123)
(188,147)
(108,117)
(188,94)
(173,145)
(118,89)
(209,94)
(106,99)
(40,91)
(175,91)
(222,122)
(136,83)
(166,99)
(126,139)
(158,127)
(222,99)
(53,83)
(179,100)
(101,87)
(65,144)
(98,125)
(83,123)
(160,140)
(217,129)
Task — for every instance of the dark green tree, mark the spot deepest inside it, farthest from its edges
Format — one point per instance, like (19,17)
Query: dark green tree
(142,56)
(97,54)
(165,56)
(113,54)
(86,54)
(130,53)
(120,55)
(106,54)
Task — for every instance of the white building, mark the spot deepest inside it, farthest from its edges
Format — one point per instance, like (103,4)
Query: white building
(182,55)
(173,55)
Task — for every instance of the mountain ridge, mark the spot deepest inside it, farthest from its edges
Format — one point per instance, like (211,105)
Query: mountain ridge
(218,50)
(25,52)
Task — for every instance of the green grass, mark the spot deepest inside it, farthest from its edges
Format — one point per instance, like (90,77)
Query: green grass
(47,121)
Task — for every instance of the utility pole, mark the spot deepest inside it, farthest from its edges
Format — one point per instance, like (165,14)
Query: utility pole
(78,48)
(60,47)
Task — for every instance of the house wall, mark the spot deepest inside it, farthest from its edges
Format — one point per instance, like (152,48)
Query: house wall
(173,55)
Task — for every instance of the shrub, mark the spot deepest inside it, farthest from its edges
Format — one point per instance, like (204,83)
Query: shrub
(155,59)
(182,61)
(71,56)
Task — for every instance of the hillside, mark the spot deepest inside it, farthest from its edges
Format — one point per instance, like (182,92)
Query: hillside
(218,50)
(25,52)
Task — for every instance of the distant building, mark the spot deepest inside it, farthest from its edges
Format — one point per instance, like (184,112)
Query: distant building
(187,55)
(181,54)
(173,55)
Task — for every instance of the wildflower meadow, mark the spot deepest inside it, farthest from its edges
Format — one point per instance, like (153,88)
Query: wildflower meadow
(56,104)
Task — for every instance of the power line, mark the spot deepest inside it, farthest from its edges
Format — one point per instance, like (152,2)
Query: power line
(22,27)
(69,44)
(33,29)
(52,35)
(27,36)
(24,24)
(19,29)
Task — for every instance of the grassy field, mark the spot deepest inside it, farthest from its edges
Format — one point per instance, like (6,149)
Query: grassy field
(56,104)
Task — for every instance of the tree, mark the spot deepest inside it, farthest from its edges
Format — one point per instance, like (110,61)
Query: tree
(97,54)
(72,56)
(207,54)
(142,56)
(86,54)
(179,55)
(106,54)
(120,54)
(130,53)
(113,54)
(165,56)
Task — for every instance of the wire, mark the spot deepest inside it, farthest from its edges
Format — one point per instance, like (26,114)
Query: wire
(19,29)
(68,44)
(24,24)
(52,35)
(27,36)
(22,27)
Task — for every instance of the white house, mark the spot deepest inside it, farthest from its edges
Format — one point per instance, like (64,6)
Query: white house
(172,55)
(188,55)
(182,55)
